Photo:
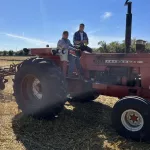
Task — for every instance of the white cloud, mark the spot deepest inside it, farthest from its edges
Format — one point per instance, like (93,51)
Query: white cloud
(106,15)
(34,41)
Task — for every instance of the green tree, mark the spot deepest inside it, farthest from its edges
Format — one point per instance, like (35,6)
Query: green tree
(103,47)
(1,53)
(122,47)
(147,47)
(117,47)
(114,47)
(10,53)
(5,53)
(133,45)
(19,53)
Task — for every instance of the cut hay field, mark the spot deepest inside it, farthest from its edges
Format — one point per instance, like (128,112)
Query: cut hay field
(79,127)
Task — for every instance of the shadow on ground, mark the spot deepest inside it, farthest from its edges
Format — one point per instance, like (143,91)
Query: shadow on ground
(86,127)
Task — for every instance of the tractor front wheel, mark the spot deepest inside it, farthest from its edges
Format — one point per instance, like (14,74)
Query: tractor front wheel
(39,88)
(130,118)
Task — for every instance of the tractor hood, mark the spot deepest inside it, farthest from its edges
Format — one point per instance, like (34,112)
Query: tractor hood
(90,61)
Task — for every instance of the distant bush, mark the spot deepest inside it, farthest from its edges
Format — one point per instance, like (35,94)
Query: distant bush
(19,53)
(5,53)
(113,47)
(11,53)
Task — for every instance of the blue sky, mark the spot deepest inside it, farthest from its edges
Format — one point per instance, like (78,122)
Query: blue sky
(34,23)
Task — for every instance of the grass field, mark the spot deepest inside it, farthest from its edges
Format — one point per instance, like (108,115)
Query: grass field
(79,127)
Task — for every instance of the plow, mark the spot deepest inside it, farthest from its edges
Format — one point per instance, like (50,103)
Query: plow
(8,71)
(41,86)
(5,72)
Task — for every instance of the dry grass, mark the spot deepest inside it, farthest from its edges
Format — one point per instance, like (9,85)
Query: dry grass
(79,127)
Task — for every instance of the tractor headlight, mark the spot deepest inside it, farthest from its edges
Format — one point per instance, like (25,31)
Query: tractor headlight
(54,51)
(64,51)
(59,51)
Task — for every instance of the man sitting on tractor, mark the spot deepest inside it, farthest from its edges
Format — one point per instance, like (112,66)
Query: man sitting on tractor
(81,40)
(65,44)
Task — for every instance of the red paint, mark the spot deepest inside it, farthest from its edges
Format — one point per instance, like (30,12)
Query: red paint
(134,118)
(140,63)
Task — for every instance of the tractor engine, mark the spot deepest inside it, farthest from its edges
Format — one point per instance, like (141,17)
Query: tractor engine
(124,76)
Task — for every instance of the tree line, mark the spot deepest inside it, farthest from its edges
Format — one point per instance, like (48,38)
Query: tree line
(23,52)
(112,47)
(118,47)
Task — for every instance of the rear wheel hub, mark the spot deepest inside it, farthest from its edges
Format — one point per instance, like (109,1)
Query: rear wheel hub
(31,88)
(37,89)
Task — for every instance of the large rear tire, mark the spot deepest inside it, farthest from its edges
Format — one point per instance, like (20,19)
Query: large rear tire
(130,118)
(40,88)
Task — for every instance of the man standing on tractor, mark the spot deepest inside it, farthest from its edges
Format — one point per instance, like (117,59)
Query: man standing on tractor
(65,44)
(81,40)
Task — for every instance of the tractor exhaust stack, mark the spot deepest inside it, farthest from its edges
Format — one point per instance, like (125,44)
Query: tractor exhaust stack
(128,26)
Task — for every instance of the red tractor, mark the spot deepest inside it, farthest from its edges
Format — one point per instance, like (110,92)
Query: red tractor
(41,86)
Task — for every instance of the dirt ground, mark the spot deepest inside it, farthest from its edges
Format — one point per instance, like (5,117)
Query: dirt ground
(79,127)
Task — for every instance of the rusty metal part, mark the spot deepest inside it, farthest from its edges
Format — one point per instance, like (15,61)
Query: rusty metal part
(8,70)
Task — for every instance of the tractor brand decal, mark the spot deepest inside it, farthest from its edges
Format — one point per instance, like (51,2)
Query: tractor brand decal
(122,61)
(102,61)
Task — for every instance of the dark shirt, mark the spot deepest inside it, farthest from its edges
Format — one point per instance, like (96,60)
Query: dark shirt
(77,37)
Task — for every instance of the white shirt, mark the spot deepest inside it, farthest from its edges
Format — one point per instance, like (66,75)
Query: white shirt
(81,34)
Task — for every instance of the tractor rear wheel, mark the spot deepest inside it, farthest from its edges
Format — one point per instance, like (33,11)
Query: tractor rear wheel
(130,118)
(39,88)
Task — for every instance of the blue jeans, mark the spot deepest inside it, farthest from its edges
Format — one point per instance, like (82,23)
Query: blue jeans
(74,60)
